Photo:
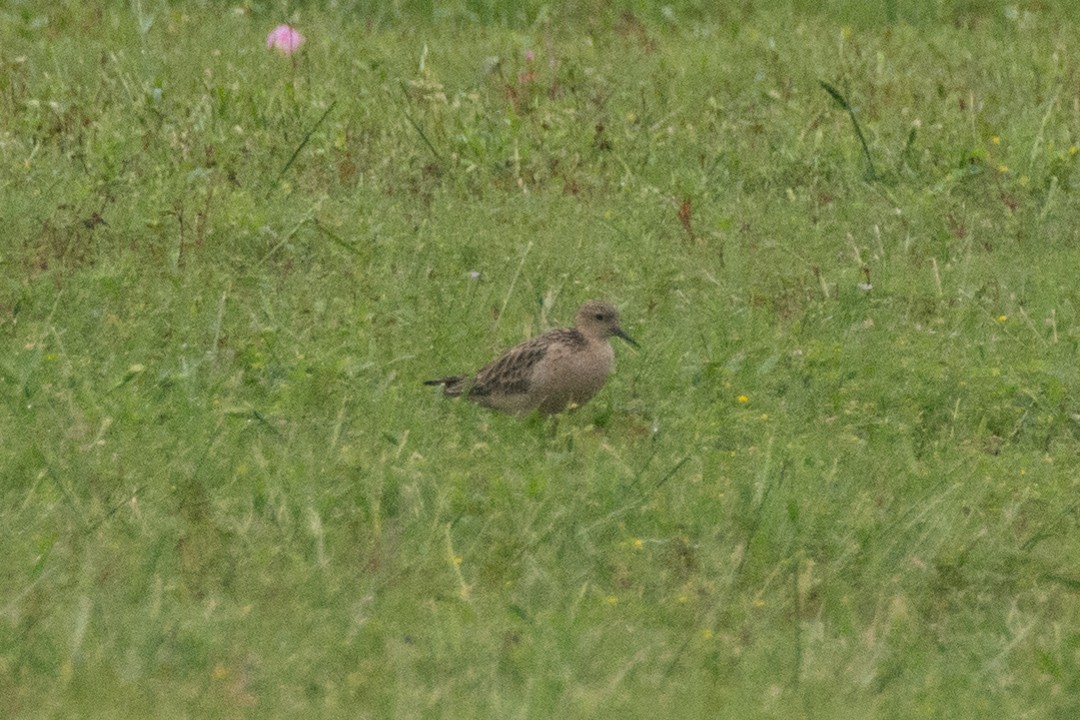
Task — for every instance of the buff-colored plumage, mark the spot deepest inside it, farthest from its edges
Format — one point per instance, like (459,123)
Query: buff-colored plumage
(560,369)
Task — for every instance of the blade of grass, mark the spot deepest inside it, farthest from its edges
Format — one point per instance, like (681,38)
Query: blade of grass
(416,126)
(296,152)
(871,173)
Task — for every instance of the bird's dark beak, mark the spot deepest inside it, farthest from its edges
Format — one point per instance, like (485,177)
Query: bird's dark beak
(619,333)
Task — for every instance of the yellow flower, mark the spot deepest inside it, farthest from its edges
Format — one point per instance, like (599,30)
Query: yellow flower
(743,399)
(1073,149)
(706,634)
(996,140)
(1002,318)
(638,544)
(611,600)
(1003,169)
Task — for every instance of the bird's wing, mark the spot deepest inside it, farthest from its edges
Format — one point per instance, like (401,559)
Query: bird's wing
(511,374)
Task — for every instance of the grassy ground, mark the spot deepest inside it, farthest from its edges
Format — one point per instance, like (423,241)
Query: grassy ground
(837,481)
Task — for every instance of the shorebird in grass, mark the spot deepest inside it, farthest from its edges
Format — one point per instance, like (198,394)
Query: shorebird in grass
(561,369)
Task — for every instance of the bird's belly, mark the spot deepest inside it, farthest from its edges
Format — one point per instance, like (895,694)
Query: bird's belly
(572,381)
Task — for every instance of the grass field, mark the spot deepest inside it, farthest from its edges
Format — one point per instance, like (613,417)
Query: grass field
(838,480)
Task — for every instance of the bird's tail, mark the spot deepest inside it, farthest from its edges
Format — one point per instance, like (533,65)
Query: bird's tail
(452,385)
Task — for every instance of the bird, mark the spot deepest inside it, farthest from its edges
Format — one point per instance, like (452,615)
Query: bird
(558,370)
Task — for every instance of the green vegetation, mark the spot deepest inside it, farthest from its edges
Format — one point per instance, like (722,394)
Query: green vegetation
(839,479)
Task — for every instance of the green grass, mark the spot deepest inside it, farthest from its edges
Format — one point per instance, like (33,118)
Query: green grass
(837,481)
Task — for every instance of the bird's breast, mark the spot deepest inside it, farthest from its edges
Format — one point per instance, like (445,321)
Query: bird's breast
(574,376)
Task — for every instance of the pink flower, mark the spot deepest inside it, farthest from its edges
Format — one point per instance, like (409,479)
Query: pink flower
(284,39)
(525,77)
